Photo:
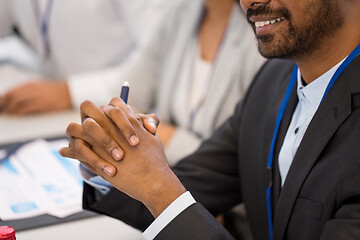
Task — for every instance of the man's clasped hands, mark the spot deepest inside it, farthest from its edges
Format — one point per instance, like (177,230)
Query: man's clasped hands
(123,148)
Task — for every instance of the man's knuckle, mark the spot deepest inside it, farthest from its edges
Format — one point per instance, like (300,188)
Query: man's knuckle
(107,144)
(114,101)
(134,120)
(71,143)
(84,104)
(68,152)
(72,127)
(89,125)
(78,147)
(116,113)
(97,164)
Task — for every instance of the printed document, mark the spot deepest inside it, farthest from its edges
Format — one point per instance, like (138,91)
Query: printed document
(36,180)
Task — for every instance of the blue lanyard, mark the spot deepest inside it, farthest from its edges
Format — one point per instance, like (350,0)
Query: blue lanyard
(43,22)
(280,115)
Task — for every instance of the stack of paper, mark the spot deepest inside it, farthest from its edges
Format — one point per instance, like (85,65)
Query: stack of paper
(36,180)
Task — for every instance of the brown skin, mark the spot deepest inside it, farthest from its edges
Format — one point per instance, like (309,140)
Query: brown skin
(213,27)
(329,51)
(143,164)
(36,97)
(143,172)
(102,132)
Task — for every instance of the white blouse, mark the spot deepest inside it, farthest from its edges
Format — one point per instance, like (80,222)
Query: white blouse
(192,88)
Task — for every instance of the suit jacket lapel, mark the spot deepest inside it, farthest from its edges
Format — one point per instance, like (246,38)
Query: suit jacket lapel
(276,188)
(334,109)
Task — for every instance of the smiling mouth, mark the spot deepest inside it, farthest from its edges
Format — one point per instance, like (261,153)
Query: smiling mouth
(266,23)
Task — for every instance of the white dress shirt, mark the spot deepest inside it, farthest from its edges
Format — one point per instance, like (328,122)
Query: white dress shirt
(309,100)
(174,209)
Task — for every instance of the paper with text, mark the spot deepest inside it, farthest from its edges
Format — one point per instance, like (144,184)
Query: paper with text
(37,180)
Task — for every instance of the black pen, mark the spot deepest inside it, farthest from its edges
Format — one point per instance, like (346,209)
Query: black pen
(125,92)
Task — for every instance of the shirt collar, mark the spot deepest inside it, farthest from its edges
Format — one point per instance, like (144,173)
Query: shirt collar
(314,91)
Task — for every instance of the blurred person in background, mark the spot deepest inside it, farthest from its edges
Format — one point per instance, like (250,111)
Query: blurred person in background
(191,73)
(69,39)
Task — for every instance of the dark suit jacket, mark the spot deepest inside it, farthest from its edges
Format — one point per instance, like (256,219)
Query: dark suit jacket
(321,195)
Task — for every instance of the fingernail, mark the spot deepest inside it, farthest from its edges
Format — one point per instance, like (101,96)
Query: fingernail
(152,124)
(134,140)
(108,171)
(117,154)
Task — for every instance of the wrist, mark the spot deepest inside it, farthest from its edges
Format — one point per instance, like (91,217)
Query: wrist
(161,193)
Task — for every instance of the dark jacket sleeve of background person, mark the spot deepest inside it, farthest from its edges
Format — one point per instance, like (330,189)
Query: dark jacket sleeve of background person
(321,195)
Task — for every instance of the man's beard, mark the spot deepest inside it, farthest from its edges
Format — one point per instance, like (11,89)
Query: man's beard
(320,21)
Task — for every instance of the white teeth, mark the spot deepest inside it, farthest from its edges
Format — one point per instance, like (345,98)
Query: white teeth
(264,23)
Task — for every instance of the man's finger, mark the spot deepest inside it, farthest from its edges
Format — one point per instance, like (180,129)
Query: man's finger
(85,154)
(89,109)
(98,135)
(74,130)
(68,152)
(124,122)
(150,121)
(119,103)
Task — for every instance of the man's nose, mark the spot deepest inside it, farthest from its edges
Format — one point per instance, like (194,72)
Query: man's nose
(246,4)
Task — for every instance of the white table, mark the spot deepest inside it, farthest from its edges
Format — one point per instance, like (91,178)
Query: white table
(95,228)
(15,129)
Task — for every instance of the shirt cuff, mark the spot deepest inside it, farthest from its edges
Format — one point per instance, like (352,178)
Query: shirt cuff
(172,211)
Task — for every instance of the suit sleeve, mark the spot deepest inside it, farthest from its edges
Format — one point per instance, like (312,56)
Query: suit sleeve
(346,222)
(194,223)
(211,174)
(117,205)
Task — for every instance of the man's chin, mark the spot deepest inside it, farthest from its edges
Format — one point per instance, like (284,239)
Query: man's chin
(267,51)
(270,48)
(276,54)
